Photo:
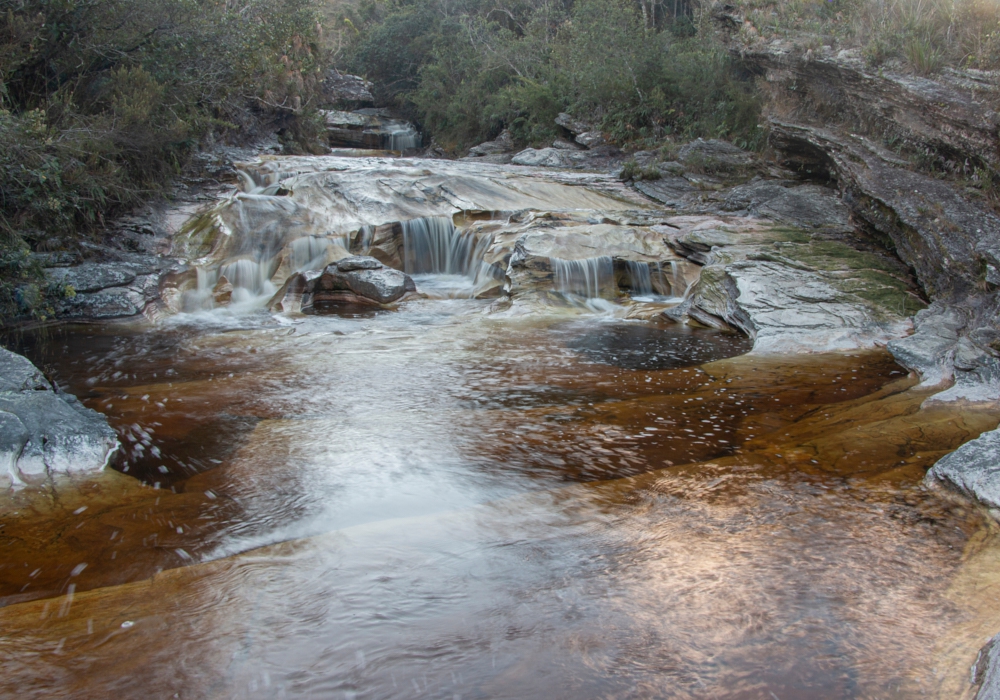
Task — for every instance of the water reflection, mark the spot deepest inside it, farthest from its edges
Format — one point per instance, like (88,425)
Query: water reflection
(491,507)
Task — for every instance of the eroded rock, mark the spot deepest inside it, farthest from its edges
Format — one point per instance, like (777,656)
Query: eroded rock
(366,278)
(43,431)
(973,470)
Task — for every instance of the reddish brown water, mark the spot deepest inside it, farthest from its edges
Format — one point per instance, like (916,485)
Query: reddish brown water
(441,503)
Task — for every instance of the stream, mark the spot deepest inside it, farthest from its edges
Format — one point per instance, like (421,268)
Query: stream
(450,499)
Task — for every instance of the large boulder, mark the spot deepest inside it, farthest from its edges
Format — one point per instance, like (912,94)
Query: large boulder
(43,431)
(366,279)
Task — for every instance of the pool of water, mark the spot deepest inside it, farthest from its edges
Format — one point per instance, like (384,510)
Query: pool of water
(444,501)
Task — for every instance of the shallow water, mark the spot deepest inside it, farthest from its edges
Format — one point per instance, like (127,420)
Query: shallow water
(445,502)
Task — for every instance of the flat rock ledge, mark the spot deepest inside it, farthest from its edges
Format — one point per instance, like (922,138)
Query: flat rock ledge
(44,431)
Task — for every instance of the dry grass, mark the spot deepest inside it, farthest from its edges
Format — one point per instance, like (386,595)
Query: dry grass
(924,35)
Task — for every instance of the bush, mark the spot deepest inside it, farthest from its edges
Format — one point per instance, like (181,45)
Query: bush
(102,101)
(467,70)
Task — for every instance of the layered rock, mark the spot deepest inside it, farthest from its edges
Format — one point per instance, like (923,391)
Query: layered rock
(44,431)
(788,290)
(353,281)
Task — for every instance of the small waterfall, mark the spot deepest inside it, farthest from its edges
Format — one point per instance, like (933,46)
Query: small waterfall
(640,278)
(592,278)
(401,136)
(434,245)
(248,275)
(308,253)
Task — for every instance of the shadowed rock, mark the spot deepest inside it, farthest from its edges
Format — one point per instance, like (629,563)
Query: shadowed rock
(44,432)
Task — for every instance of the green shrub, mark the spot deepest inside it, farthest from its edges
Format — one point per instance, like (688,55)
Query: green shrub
(466,70)
(102,101)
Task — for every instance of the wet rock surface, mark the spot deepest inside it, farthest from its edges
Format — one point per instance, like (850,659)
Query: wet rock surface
(973,470)
(43,431)
(365,278)
(986,672)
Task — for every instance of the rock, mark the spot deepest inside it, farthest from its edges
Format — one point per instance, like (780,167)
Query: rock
(572,125)
(933,228)
(670,191)
(345,89)
(543,157)
(373,282)
(504,143)
(117,302)
(806,206)
(950,118)
(18,374)
(222,293)
(787,292)
(973,470)
(591,139)
(715,156)
(297,295)
(564,145)
(986,671)
(369,129)
(44,432)
(93,277)
(358,262)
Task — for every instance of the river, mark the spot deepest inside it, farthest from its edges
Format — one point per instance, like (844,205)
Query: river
(455,500)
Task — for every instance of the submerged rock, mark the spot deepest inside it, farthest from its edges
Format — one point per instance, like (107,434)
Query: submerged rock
(44,431)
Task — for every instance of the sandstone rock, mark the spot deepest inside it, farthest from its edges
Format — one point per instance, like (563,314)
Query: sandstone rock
(343,88)
(591,139)
(670,191)
(571,124)
(380,284)
(973,469)
(564,145)
(950,117)
(543,157)
(93,277)
(504,143)
(222,293)
(986,672)
(715,156)
(44,432)
(786,294)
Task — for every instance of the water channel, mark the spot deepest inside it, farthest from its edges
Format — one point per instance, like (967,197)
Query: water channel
(450,501)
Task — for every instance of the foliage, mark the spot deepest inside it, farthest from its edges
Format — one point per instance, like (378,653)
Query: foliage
(924,35)
(101,101)
(640,70)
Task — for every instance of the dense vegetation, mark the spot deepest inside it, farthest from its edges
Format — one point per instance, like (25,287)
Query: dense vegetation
(641,70)
(102,101)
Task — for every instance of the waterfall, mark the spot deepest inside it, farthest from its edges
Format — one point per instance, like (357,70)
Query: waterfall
(640,278)
(434,245)
(248,275)
(400,136)
(591,278)
(308,253)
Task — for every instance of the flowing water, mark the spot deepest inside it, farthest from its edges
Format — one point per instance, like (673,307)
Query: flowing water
(440,502)
(460,498)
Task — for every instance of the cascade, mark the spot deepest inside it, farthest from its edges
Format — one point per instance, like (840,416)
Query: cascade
(308,253)
(434,245)
(401,136)
(640,278)
(591,278)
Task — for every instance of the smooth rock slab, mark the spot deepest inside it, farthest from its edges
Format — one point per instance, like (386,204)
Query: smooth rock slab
(973,470)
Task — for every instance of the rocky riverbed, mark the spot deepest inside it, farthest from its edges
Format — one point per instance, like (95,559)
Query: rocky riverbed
(535,317)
